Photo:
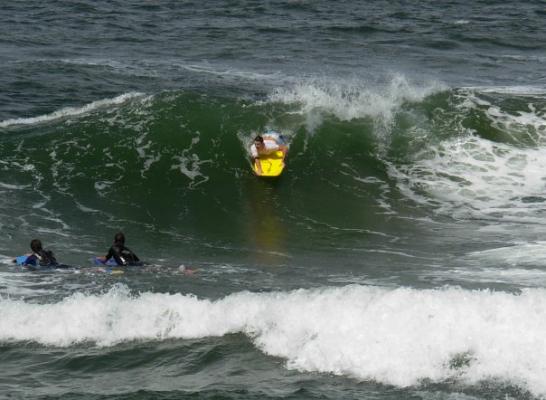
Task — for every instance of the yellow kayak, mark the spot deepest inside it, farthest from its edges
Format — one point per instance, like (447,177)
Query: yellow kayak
(272,164)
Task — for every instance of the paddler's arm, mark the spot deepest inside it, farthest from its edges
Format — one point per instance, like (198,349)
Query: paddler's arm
(258,165)
(254,156)
(108,256)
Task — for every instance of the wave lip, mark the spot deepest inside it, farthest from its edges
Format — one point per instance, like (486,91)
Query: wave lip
(490,170)
(70,111)
(353,100)
(393,336)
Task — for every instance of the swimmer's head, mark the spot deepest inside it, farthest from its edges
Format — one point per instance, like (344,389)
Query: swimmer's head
(258,141)
(36,245)
(119,238)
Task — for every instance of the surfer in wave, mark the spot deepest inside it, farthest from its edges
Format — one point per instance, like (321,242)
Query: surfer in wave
(264,145)
(39,256)
(121,254)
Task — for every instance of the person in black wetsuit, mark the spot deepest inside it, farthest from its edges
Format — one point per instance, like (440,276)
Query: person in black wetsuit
(39,256)
(123,255)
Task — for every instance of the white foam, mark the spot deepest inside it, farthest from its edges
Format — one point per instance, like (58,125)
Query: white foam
(189,164)
(13,187)
(218,70)
(16,283)
(101,186)
(513,90)
(517,254)
(470,176)
(70,111)
(474,177)
(488,275)
(349,100)
(148,156)
(393,336)
(190,167)
(530,123)
(86,209)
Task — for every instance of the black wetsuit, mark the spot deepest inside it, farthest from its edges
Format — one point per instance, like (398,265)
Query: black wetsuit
(42,258)
(123,255)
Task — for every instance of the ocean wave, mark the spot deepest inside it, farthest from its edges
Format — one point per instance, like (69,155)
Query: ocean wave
(483,170)
(349,100)
(463,153)
(70,111)
(393,336)
(521,253)
(516,90)
(474,177)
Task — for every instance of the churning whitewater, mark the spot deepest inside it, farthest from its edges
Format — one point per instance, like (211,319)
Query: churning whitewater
(394,336)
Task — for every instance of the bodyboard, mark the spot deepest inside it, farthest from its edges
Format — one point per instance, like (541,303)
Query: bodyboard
(111,262)
(20,260)
(272,164)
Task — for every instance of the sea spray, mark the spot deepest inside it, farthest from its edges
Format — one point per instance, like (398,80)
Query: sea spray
(348,100)
(394,336)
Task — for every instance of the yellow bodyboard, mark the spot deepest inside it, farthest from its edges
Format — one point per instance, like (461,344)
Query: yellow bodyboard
(272,164)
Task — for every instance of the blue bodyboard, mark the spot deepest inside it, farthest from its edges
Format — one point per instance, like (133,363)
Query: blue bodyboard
(111,262)
(20,260)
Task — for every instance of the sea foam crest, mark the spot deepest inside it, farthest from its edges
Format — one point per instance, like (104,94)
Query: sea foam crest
(529,122)
(472,176)
(393,336)
(70,111)
(349,100)
(475,177)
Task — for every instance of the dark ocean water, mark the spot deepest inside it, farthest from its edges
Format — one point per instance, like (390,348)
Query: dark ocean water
(401,255)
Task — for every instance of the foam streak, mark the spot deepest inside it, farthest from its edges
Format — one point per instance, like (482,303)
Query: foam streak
(69,111)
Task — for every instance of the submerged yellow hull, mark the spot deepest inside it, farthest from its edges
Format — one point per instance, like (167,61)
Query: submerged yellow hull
(272,164)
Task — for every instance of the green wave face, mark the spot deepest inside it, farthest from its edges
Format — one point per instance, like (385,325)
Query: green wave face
(173,170)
